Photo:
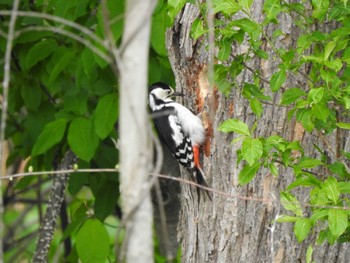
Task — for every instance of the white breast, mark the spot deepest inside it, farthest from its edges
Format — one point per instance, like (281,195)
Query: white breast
(191,124)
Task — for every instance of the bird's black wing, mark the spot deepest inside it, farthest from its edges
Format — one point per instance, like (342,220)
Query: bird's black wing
(171,134)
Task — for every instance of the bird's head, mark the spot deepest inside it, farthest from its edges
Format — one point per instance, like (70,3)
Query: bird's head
(159,92)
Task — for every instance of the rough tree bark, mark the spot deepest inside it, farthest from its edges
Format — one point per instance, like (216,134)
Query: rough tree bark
(232,229)
(47,227)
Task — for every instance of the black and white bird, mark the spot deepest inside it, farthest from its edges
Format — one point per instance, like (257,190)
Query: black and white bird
(177,127)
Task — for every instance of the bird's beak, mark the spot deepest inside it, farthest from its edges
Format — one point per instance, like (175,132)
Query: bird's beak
(176,94)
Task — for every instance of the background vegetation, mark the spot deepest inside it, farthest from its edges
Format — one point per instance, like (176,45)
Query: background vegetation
(64,95)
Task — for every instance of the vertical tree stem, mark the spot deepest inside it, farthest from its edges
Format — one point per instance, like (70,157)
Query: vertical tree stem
(5,86)
(134,135)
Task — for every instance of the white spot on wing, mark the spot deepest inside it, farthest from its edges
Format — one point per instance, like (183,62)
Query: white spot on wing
(191,125)
(177,133)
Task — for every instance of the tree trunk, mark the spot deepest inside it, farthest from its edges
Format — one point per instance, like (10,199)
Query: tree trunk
(232,228)
(135,143)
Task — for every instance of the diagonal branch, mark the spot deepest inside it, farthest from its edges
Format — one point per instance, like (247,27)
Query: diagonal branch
(53,209)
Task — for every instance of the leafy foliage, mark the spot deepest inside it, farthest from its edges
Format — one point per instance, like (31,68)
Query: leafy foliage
(64,95)
(316,106)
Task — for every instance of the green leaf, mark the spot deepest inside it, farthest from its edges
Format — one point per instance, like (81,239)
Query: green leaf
(287,219)
(320,111)
(275,141)
(290,203)
(248,26)
(318,58)
(226,7)
(291,95)
(277,80)
(247,173)
(322,236)
(234,125)
(92,242)
(306,118)
(77,181)
(330,186)
(105,199)
(316,95)
(82,138)
(335,64)
(320,8)
(197,29)
(261,54)
(339,168)
(331,239)
(50,136)
(273,169)
(256,107)
(246,4)
(115,10)
(159,25)
(174,7)
(253,91)
(271,8)
(252,150)
(337,221)
(303,181)
(105,115)
(224,86)
(302,228)
(328,75)
(31,95)
(313,180)
(39,51)
(72,228)
(320,214)
(76,101)
(88,62)
(309,252)
(318,197)
(33,36)
(343,125)
(304,42)
(60,65)
(224,49)
(328,49)
(344,187)
(307,163)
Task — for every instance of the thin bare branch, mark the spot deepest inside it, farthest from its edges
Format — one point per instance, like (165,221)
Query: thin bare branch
(117,67)
(181,180)
(68,34)
(6,85)
(66,22)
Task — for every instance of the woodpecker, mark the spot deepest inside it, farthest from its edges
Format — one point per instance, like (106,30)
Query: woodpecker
(181,131)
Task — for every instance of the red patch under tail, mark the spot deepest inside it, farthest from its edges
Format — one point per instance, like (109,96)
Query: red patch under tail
(196,156)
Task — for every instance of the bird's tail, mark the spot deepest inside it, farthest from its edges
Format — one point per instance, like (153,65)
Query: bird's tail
(200,177)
